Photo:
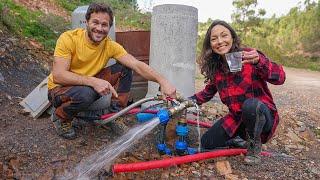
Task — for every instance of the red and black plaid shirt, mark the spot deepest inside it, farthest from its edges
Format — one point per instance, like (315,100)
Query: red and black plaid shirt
(235,88)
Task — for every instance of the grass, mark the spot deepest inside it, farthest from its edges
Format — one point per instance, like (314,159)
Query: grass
(71,5)
(24,22)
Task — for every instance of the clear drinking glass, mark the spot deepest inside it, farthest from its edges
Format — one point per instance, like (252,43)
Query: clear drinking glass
(234,61)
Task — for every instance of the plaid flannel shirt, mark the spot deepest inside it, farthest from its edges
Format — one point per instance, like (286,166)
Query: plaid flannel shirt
(235,88)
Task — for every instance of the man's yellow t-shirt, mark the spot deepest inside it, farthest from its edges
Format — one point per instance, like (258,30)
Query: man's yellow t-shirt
(86,59)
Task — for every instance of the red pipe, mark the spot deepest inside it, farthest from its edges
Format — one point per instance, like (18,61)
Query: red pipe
(140,166)
(132,111)
(202,124)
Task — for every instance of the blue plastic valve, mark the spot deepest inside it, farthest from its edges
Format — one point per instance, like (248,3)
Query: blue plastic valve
(182,130)
(163,116)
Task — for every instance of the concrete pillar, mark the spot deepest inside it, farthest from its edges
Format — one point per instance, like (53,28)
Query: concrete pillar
(173,46)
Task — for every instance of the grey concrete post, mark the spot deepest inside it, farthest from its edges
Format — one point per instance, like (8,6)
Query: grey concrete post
(173,46)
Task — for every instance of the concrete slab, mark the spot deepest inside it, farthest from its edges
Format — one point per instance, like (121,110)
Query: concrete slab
(37,101)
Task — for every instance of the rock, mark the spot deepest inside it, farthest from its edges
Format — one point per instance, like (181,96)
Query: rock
(207,173)
(196,173)
(293,136)
(210,166)
(9,97)
(1,77)
(9,174)
(300,147)
(223,167)
(301,129)
(299,123)
(274,142)
(264,147)
(24,112)
(165,175)
(60,159)
(315,171)
(290,146)
(196,165)
(2,51)
(14,164)
(231,177)
(307,135)
(1,169)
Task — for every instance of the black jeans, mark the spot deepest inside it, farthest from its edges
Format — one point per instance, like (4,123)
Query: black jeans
(216,136)
(70,100)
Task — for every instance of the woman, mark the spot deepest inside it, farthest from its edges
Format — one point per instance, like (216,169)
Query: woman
(252,113)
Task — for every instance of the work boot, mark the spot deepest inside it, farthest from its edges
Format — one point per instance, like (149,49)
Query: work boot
(63,129)
(236,142)
(254,142)
(253,152)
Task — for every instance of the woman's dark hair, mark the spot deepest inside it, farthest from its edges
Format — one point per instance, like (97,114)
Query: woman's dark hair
(99,7)
(210,61)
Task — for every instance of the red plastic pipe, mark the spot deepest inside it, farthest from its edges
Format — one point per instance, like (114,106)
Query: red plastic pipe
(140,166)
(132,111)
(202,124)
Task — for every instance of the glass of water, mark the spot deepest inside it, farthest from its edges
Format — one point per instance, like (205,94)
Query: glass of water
(234,61)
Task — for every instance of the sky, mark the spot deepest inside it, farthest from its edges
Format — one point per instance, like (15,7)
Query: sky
(222,9)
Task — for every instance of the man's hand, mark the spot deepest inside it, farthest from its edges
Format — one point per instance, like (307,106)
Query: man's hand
(167,89)
(103,87)
(251,57)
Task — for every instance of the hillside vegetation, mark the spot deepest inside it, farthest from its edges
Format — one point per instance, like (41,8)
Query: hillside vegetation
(45,27)
(292,40)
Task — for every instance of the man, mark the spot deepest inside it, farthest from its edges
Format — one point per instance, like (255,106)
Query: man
(79,76)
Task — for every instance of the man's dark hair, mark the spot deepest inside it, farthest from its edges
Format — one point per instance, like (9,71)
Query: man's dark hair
(99,7)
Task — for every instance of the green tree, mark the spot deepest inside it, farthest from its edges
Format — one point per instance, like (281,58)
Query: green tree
(246,16)
(132,3)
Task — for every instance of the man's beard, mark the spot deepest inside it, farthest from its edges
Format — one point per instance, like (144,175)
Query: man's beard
(90,32)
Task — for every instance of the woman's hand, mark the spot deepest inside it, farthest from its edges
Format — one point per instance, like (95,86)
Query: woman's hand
(251,57)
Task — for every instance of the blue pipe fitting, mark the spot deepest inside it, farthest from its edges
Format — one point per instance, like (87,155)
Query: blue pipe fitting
(191,151)
(162,148)
(168,151)
(143,117)
(181,145)
(163,116)
(182,130)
